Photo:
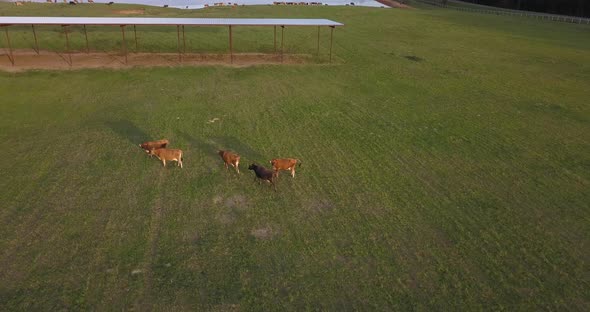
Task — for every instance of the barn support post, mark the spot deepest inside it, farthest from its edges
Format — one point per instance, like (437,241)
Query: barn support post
(35,36)
(331,40)
(282,42)
(10,56)
(86,36)
(231,47)
(65,27)
(318,50)
(124,43)
(178,42)
(183,41)
(135,37)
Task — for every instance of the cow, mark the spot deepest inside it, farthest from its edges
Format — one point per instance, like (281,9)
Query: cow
(263,174)
(148,146)
(164,154)
(285,164)
(230,158)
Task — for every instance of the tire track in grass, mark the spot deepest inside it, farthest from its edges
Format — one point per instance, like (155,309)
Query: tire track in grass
(470,218)
(107,285)
(430,235)
(99,253)
(328,181)
(365,171)
(150,252)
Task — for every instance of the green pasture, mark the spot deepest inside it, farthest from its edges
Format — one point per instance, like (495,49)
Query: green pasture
(446,167)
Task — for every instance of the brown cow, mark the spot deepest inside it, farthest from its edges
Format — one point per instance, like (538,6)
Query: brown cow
(149,146)
(285,164)
(230,158)
(164,154)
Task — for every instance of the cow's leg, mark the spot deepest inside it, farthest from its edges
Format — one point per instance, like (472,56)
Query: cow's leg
(164,162)
(179,163)
(293,171)
(238,167)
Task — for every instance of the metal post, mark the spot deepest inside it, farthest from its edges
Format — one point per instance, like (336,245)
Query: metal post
(67,43)
(183,41)
(36,43)
(86,36)
(124,44)
(135,36)
(318,53)
(10,56)
(178,42)
(275,38)
(282,41)
(231,47)
(331,39)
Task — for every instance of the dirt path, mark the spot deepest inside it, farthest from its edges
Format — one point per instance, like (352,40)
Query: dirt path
(394,4)
(28,60)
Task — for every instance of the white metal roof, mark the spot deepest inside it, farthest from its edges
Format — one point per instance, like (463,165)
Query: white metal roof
(39,20)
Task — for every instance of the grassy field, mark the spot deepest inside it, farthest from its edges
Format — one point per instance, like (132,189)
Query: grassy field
(446,166)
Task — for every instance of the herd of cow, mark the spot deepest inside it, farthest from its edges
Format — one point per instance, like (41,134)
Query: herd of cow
(160,150)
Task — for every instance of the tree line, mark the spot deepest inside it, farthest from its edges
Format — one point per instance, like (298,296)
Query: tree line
(564,7)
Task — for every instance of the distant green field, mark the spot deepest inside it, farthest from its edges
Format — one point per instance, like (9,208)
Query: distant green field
(446,166)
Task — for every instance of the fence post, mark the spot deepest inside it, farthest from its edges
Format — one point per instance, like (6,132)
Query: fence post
(86,36)
(36,43)
(124,42)
(10,56)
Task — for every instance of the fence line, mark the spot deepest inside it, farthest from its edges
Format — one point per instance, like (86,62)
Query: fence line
(500,11)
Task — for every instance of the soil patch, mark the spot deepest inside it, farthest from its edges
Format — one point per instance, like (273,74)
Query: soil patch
(321,205)
(236,201)
(227,218)
(29,60)
(263,233)
(129,12)
(394,4)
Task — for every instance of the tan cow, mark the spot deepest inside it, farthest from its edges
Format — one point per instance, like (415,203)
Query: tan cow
(148,146)
(230,158)
(285,164)
(165,154)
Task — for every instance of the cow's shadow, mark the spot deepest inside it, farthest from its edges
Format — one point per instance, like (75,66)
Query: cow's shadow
(211,145)
(127,130)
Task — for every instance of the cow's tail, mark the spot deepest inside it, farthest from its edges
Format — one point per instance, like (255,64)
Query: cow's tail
(299,162)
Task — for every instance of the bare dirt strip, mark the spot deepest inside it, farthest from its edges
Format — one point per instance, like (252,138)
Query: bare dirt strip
(394,4)
(30,60)
(130,12)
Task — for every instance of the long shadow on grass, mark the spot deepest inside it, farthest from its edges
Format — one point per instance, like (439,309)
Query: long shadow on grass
(127,130)
(212,145)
